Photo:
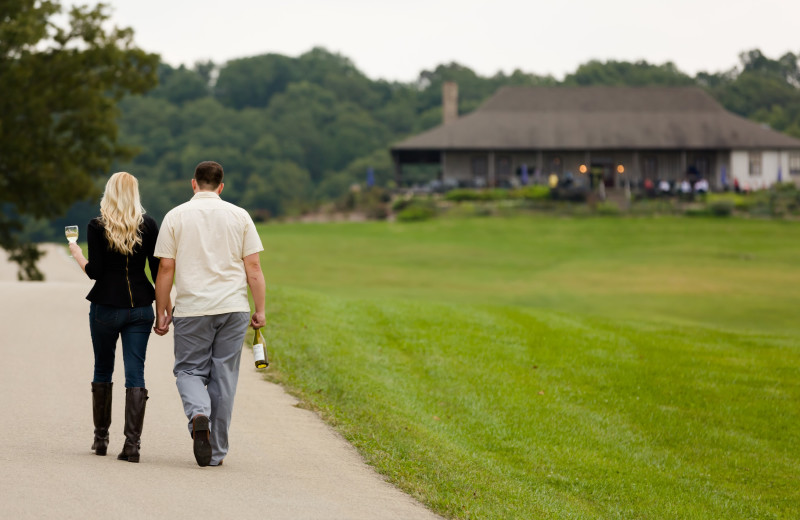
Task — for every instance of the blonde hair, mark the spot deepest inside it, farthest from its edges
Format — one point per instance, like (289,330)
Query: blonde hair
(121,213)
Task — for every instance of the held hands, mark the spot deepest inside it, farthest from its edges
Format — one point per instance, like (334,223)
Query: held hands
(258,320)
(162,323)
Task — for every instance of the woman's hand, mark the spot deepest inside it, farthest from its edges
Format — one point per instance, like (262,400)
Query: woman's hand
(162,322)
(77,254)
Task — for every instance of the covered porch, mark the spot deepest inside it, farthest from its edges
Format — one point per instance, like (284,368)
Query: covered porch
(614,168)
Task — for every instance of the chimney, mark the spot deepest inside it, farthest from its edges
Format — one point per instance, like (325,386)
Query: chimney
(449,102)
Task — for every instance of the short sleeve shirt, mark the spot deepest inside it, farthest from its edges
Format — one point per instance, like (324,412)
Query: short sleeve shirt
(208,238)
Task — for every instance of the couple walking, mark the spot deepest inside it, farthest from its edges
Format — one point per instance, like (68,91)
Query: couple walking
(210,249)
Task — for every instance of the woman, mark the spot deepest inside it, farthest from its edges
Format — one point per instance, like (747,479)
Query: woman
(120,240)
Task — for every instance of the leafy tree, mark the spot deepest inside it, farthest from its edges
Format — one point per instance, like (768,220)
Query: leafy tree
(206,70)
(356,173)
(339,75)
(626,73)
(299,118)
(766,90)
(295,131)
(58,114)
(277,189)
(251,82)
(471,87)
(180,85)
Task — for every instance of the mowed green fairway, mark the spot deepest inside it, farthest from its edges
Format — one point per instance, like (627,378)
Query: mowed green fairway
(552,368)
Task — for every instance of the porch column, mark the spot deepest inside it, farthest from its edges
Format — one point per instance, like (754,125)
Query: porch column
(587,160)
(443,163)
(398,170)
(539,165)
(683,164)
(492,179)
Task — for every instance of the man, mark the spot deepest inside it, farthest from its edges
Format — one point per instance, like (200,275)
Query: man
(211,249)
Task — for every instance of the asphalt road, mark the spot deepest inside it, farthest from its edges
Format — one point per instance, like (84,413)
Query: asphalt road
(284,462)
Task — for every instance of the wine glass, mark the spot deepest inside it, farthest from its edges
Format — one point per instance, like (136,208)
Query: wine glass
(72,233)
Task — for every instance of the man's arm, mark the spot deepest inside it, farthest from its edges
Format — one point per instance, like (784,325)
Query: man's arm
(166,273)
(255,279)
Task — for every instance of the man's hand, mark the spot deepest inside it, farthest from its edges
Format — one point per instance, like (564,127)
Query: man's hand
(166,273)
(162,323)
(255,279)
(258,320)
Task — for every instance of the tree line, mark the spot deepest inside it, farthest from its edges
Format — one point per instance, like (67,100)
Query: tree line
(293,132)
(81,100)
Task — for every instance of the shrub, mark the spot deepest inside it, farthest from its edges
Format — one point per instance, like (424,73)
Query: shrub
(721,207)
(476,195)
(372,202)
(696,210)
(376,212)
(462,195)
(416,212)
(496,194)
(535,192)
(469,209)
(401,204)
(608,208)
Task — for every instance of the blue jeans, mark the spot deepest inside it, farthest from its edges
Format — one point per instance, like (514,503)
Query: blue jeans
(109,323)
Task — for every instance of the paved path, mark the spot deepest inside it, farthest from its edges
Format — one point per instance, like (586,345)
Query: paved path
(285,463)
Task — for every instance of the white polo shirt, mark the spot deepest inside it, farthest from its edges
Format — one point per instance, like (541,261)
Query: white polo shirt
(208,238)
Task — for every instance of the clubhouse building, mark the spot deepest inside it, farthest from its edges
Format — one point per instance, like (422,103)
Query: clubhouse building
(611,134)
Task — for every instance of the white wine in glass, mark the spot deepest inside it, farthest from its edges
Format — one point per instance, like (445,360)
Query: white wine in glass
(72,233)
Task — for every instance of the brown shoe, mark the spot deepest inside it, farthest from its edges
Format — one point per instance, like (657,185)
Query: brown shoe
(202,442)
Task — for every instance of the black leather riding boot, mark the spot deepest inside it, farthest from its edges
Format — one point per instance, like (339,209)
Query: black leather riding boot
(101,412)
(135,401)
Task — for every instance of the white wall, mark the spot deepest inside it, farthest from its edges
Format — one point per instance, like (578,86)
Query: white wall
(771,160)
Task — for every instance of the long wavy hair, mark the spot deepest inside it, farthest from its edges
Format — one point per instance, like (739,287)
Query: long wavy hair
(121,213)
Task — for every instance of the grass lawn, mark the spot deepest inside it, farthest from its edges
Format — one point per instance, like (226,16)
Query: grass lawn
(552,368)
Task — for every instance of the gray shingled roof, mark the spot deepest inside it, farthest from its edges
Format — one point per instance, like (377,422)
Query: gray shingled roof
(597,118)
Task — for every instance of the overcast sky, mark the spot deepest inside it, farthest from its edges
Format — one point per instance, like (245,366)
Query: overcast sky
(396,40)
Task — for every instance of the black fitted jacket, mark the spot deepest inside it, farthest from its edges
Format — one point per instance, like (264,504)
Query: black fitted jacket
(120,280)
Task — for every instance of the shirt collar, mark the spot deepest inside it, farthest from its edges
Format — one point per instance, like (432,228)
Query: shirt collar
(205,195)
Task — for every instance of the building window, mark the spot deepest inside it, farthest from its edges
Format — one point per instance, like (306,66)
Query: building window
(755,163)
(794,163)
(480,166)
(650,167)
(503,166)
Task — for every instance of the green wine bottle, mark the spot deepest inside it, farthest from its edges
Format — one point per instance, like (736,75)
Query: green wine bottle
(260,350)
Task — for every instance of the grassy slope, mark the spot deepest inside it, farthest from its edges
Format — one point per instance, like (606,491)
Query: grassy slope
(562,368)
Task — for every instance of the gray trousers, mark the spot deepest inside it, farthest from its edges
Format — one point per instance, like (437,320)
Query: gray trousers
(208,350)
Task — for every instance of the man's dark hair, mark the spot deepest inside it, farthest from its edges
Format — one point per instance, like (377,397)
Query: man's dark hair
(208,175)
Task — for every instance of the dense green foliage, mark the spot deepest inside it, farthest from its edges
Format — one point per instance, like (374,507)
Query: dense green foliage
(59,86)
(289,131)
(292,132)
(552,367)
